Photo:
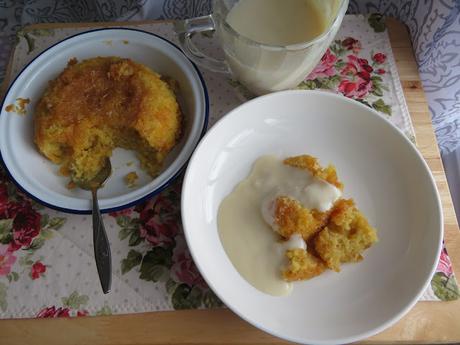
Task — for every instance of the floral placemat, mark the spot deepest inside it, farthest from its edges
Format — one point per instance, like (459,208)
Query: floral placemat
(46,257)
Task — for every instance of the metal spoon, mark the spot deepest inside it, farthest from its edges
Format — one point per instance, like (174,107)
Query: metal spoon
(100,241)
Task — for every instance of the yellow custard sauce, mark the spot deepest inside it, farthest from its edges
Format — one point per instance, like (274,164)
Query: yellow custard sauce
(249,241)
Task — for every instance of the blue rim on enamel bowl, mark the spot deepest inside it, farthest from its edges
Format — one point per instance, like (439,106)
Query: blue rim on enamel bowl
(178,170)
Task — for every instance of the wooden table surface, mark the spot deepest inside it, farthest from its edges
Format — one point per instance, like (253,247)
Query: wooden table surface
(427,322)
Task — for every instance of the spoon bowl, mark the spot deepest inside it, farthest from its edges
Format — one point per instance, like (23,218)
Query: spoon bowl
(98,180)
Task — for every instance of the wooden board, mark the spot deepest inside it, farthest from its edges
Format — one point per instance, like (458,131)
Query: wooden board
(427,322)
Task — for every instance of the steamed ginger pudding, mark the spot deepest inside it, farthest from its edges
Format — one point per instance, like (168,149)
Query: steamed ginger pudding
(102,103)
(287,221)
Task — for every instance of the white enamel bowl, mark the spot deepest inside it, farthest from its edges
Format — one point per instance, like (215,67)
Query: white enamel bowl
(39,178)
(381,170)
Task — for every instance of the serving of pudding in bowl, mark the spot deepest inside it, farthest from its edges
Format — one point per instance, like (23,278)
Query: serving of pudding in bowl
(368,216)
(289,215)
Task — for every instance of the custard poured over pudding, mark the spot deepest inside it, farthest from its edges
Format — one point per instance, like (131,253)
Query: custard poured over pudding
(287,221)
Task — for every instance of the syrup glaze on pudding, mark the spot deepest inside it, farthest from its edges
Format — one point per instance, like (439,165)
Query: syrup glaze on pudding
(101,103)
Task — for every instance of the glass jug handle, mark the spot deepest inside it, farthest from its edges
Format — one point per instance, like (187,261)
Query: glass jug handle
(185,30)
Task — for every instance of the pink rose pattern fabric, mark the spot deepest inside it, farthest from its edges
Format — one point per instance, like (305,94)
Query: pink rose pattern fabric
(343,70)
(156,223)
(23,230)
(184,269)
(7,259)
(50,312)
(443,283)
(73,305)
(152,230)
(37,270)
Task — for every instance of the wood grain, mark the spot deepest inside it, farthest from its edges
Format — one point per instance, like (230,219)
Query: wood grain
(427,322)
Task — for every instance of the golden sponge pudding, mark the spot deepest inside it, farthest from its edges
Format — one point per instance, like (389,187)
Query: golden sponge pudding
(338,235)
(101,103)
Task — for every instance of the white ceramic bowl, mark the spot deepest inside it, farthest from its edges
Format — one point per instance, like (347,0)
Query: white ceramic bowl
(381,170)
(38,177)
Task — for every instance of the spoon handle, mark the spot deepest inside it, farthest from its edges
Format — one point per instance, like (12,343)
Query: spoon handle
(101,247)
